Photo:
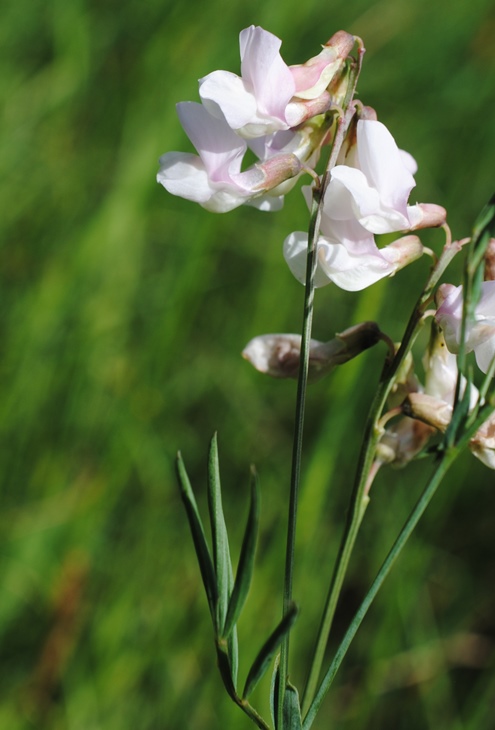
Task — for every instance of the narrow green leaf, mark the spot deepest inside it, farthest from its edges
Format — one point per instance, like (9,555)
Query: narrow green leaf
(292,709)
(246,559)
(225,669)
(221,553)
(275,692)
(233,652)
(198,535)
(268,650)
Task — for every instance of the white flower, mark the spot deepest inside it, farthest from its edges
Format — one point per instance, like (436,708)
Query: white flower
(254,103)
(270,96)
(213,178)
(374,182)
(348,255)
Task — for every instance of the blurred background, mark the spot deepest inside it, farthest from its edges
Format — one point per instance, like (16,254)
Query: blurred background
(123,314)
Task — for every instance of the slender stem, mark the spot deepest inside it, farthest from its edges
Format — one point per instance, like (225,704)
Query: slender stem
(253,714)
(298,437)
(446,459)
(343,122)
(359,497)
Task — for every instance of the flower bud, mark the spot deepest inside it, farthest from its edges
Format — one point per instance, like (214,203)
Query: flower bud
(404,251)
(278,355)
(428,215)
(314,77)
(272,172)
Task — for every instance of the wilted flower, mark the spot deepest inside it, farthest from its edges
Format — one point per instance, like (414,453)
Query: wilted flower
(427,408)
(278,355)
(480,334)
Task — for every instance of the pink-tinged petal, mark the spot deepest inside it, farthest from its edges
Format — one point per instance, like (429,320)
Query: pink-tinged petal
(220,149)
(267,203)
(183,174)
(264,72)
(298,112)
(382,163)
(409,162)
(223,201)
(484,353)
(224,93)
(449,314)
(295,254)
(349,195)
(313,77)
(486,304)
(350,269)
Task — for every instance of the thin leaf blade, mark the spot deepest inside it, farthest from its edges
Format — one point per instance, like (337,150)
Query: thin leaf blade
(245,568)
(268,650)
(221,552)
(198,536)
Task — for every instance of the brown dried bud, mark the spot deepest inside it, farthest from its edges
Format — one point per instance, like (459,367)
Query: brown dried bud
(278,355)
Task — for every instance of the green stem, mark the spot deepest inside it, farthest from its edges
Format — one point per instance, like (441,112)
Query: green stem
(343,122)
(447,457)
(298,440)
(253,715)
(359,499)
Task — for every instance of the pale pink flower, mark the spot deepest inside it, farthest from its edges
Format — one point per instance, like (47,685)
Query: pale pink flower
(213,178)
(480,334)
(373,184)
(254,103)
(270,96)
(348,255)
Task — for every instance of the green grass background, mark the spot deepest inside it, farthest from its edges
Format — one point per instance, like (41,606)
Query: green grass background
(123,313)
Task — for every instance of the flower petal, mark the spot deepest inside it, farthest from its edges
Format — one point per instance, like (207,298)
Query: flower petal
(264,71)
(352,270)
(295,254)
(220,149)
(224,93)
(183,174)
(383,164)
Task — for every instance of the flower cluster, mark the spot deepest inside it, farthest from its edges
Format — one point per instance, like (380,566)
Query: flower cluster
(429,408)
(274,110)
(284,115)
(367,194)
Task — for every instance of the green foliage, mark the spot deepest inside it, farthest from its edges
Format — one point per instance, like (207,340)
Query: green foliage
(124,311)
